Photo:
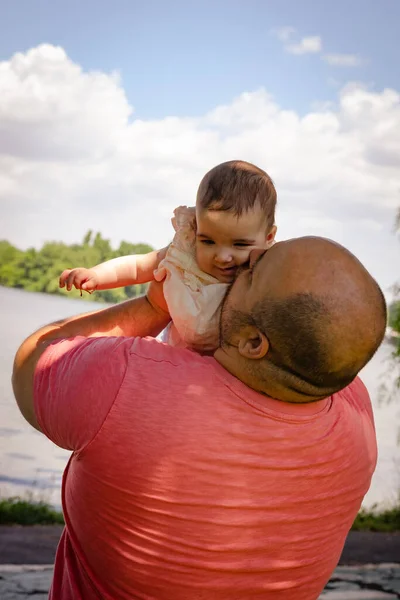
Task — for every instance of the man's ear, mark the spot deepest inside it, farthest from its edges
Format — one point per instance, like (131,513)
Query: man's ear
(253,344)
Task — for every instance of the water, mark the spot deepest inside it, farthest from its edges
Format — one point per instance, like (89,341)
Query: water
(30,463)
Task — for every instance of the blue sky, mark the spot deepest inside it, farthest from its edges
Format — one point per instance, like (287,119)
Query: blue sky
(184,58)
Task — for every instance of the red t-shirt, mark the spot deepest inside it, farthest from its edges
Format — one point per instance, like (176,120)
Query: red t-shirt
(185,484)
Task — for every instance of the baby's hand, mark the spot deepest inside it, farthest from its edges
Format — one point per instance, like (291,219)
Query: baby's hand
(81,278)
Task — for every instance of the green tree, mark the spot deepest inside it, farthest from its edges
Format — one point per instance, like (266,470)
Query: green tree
(394,324)
(39,270)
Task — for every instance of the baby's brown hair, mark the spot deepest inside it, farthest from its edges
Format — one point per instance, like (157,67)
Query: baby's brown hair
(238,186)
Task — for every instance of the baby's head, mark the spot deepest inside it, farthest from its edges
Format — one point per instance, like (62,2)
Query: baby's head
(235,213)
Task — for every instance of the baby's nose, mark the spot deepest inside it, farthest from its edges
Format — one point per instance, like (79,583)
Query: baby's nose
(224,255)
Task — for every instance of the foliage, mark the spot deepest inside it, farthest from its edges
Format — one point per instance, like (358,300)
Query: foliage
(372,520)
(39,270)
(394,313)
(394,323)
(16,511)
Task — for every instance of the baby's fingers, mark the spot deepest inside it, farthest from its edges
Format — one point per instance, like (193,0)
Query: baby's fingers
(75,278)
(63,277)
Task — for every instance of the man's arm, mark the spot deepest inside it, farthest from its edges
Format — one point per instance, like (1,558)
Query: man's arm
(139,317)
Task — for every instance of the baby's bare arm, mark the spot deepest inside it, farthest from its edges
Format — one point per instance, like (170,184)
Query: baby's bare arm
(115,273)
(128,270)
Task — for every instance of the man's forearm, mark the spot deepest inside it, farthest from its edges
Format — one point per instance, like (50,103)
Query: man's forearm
(129,319)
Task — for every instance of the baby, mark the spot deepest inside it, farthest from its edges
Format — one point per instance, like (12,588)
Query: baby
(234,214)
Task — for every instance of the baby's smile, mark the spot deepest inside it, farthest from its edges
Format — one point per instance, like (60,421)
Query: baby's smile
(227,274)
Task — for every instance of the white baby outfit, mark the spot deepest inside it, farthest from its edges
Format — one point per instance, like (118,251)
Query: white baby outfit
(193,297)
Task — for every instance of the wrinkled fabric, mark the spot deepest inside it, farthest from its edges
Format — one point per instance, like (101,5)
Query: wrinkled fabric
(185,484)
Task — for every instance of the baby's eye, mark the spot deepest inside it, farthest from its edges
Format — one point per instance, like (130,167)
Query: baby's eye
(207,242)
(242,244)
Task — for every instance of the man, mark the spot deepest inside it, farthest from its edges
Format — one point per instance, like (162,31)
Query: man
(233,477)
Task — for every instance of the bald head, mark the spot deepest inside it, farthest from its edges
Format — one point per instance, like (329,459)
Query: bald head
(322,313)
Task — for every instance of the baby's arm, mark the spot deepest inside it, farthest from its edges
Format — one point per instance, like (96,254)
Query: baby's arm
(118,272)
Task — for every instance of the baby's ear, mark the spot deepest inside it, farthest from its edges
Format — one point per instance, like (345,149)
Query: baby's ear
(271,236)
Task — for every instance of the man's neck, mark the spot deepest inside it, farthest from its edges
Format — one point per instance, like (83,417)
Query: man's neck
(271,385)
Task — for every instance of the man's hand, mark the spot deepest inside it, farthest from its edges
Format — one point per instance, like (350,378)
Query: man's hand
(81,279)
(155,296)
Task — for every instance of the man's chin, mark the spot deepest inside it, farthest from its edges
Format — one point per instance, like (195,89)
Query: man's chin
(227,279)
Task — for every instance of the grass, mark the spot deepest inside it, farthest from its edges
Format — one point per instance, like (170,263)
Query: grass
(17,511)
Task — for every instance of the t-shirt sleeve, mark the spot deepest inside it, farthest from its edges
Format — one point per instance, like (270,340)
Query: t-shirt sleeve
(363,399)
(75,385)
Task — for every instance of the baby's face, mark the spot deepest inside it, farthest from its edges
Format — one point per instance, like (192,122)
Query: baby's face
(224,241)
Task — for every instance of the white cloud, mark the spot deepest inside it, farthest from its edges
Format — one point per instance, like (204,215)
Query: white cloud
(284,34)
(313,45)
(343,60)
(73,157)
(307,45)
(43,92)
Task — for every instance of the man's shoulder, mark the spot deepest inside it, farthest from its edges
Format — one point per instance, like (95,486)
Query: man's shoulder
(356,394)
(357,389)
(154,350)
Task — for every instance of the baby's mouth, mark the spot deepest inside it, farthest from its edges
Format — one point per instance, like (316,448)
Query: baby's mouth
(227,271)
